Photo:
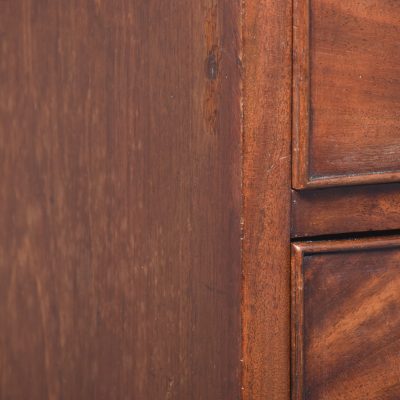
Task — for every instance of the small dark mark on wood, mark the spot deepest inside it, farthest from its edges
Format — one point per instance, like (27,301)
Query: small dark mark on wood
(211,67)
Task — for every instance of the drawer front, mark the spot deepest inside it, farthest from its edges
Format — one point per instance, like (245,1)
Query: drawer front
(346,114)
(346,319)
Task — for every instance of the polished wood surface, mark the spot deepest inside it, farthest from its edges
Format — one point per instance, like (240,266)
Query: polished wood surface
(267,30)
(346,320)
(146,202)
(345,210)
(120,200)
(346,100)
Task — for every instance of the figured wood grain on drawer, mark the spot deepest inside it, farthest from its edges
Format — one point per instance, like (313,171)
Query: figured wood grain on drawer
(346,320)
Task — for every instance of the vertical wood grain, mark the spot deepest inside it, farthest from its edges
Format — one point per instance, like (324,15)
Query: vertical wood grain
(301,115)
(120,199)
(267,33)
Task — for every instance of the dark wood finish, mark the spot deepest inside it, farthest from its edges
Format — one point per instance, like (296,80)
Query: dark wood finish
(346,92)
(346,320)
(343,210)
(266,188)
(120,199)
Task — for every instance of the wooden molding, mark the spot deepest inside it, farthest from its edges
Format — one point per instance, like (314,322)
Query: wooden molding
(301,97)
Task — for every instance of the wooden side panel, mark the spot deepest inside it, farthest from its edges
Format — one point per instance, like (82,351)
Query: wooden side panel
(346,92)
(346,320)
(267,37)
(343,210)
(120,199)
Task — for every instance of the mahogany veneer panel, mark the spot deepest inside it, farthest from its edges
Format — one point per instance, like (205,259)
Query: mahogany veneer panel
(346,92)
(343,210)
(120,200)
(346,319)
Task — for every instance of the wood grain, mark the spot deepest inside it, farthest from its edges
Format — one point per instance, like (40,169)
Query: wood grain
(120,199)
(267,36)
(346,324)
(346,92)
(345,210)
